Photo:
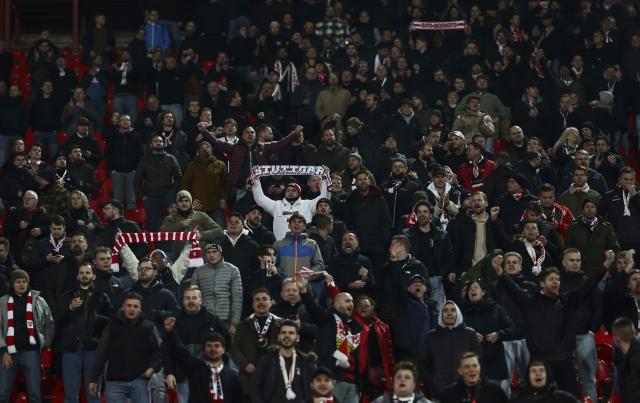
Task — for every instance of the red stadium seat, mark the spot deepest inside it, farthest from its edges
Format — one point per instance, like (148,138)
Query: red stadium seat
(586,399)
(603,337)
(207,65)
(603,380)
(138,215)
(62,138)
(615,399)
(605,353)
(101,143)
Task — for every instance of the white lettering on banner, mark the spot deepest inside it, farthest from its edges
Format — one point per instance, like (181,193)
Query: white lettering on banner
(437,25)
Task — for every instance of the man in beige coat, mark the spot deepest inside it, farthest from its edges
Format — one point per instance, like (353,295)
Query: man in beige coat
(331,101)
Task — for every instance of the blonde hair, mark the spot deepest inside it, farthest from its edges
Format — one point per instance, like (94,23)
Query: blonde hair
(563,137)
(83,197)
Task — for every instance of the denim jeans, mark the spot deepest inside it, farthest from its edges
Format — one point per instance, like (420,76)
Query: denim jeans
(156,209)
(123,188)
(516,354)
(137,391)
(75,366)
(29,362)
(182,392)
(345,392)
(158,388)
(437,290)
(6,142)
(49,140)
(126,104)
(587,364)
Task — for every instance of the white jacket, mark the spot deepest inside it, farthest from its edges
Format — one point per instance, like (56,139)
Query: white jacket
(178,268)
(281,210)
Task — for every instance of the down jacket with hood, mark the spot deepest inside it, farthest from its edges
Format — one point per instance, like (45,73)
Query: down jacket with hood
(443,347)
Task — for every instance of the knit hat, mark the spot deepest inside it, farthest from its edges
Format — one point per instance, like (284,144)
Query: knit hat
(408,280)
(204,142)
(325,200)
(520,180)
(19,275)
(457,134)
(322,371)
(184,194)
(293,185)
(356,156)
(160,251)
(82,122)
(212,246)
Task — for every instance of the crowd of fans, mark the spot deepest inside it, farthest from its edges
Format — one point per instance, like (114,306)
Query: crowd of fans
(471,222)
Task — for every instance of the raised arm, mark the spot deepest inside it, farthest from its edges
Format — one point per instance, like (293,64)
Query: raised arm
(130,262)
(181,265)
(261,200)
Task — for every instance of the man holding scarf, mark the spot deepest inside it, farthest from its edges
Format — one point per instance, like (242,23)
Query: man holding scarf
(26,327)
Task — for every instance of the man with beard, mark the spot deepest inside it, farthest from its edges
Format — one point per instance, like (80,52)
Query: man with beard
(207,180)
(331,153)
(188,219)
(85,313)
(291,307)
(352,271)
(175,139)
(322,386)
(63,278)
(257,231)
(431,246)
(398,191)
(558,215)
(283,375)
(211,378)
(423,163)
(338,342)
(530,246)
(353,168)
(325,207)
(473,173)
(514,202)
(105,282)
(444,197)
(367,214)
(473,234)
(158,303)
(48,252)
(253,336)
(281,210)
(63,176)
(457,150)
(83,174)
(188,330)
(157,178)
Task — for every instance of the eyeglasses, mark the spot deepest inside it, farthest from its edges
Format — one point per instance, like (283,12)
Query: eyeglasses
(145,268)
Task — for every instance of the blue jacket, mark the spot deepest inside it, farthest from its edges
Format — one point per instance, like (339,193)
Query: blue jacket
(296,251)
(156,36)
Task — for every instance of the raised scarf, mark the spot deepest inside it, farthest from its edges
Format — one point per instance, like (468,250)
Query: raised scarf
(10,340)
(195,255)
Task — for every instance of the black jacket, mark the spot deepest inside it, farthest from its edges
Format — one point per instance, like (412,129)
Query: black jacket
(433,249)
(86,143)
(503,298)
(344,269)
(439,360)
(369,217)
(486,317)
(186,341)
(16,181)
(511,209)
(243,255)
(618,302)
(588,317)
(123,151)
(462,231)
(129,347)
(261,235)
(628,373)
(199,376)
(550,394)
(109,285)
(45,114)
(107,236)
(84,325)
(627,227)
(487,392)
(391,280)
(265,378)
(158,303)
(399,198)
(6,269)
(550,332)
(297,311)
(326,340)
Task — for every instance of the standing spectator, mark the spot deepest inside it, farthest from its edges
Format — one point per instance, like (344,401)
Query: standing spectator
(25,225)
(41,63)
(45,118)
(16,179)
(472,121)
(254,335)
(338,341)
(239,249)
(82,320)
(82,138)
(513,203)
(187,218)
(291,202)
(145,122)
(367,214)
(122,153)
(559,216)
(125,78)
(7,266)
(332,102)
(449,339)
(27,328)
(207,179)
(628,359)
(350,270)
(156,34)
(579,192)
(105,282)
(48,252)
(321,233)
(331,153)
(81,173)
(76,109)
(304,99)
(54,198)
(114,222)
(283,375)
(296,250)
(130,347)
(473,384)
(398,191)
(13,120)
(221,287)
(473,174)
(621,207)
(257,231)
(592,236)
(333,27)
(161,175)
(169,87)
(98,39)
(175,140)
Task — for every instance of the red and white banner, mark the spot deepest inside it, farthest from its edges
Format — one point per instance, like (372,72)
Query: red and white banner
(436,25)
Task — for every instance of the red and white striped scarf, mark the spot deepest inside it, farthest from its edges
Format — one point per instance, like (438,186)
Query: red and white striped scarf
(195,255)
(11,330)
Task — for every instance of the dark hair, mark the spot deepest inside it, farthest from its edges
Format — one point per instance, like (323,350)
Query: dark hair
(626,170)
(290,323)
(215,337)
(4,241)
(297,216)
(546,187)
(132,295)
(58,220)
(322,221)
(408,366)
(87,263)
(260,290)
(547,272)
(578,168)
(472,97)
(115,203)
(476,146)
(531,156)
(264,249)
(501,157)
(145,259)
(402,240)
(235,214)
(422,203)
(624,328)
